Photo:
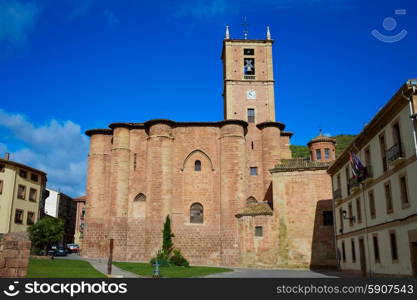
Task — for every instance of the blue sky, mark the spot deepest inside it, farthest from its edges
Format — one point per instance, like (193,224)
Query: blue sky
(70,65)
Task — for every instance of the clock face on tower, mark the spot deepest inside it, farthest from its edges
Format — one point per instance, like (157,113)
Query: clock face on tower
(250,94)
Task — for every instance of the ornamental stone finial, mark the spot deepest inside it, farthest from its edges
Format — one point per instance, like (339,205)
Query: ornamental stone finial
(268,33)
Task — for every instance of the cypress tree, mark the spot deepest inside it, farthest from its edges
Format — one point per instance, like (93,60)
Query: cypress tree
(167,244)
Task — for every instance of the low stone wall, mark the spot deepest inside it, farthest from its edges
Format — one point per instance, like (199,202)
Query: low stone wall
(14,255)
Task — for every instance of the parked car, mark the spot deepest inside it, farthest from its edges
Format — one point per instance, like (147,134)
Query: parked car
(52,250)
(73,248)
(60,251)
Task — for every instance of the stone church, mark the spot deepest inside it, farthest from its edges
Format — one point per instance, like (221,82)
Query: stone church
(235,196)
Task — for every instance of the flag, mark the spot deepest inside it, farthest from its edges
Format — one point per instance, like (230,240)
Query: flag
(358,168)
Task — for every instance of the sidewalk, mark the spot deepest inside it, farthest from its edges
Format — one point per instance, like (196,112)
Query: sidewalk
(101,266)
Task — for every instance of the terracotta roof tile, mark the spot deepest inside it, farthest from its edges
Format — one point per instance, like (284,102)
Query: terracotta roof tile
(259,209)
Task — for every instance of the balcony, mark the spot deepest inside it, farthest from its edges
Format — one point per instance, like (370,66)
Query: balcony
(353,183)
(337,194)
(395,154)
(367,174)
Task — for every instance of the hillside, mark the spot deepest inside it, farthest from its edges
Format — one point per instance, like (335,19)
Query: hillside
(342,141)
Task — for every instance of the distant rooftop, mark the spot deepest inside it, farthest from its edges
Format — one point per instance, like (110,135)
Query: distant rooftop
(258,209)
(300,164)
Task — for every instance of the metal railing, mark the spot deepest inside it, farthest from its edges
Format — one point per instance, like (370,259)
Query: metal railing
(362,176)
(251,77)
(394,153)
(353,182)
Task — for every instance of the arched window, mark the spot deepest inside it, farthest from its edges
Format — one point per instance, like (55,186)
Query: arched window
(197,166)
(251,200)
(196,213)
(140,197)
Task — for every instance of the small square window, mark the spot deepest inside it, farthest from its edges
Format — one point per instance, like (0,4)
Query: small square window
(23,173)
(394,249)
(18,216)
(372,204)
(326,153)
(32,194)
(259,231)
(404,191)
(253,171)
(343,251)
(251,115)
(197,166)
(30,218)
(248,51)
(318,154)
(21,192)
(388,198)
(352,243)
(34,177)
(327,218)
(376,249)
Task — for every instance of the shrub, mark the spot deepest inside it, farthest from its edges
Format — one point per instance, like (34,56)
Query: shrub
(162,257)
(168,254)
(177,259)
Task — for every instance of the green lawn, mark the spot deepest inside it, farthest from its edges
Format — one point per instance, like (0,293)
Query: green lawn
(61,268)
(145,269)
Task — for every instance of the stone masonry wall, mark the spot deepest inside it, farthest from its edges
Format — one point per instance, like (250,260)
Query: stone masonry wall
(156,160)
(300,197)
(14,255)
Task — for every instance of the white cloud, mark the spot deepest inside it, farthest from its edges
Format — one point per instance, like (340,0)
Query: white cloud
(58,148)
(16,20)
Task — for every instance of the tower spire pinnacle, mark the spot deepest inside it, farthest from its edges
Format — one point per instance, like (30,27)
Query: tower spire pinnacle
(268,33)
(227,34)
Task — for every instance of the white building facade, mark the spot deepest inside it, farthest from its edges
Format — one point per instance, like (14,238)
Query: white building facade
(51,203)
(376,212)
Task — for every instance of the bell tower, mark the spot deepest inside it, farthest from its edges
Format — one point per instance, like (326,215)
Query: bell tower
(248,77)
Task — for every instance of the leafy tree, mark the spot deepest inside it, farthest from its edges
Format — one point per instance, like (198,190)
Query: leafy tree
(299,151)
(342,141)
(46,232)
(167,244)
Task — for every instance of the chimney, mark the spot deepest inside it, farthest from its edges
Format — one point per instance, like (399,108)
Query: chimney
(7,156)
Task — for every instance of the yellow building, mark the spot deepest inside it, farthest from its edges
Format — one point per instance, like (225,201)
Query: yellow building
(21,191)
(376,211)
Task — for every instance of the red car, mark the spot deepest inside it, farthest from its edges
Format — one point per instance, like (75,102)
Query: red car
(73,248)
